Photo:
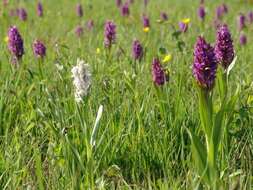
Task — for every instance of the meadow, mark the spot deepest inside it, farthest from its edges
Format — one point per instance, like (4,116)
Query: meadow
(126,130)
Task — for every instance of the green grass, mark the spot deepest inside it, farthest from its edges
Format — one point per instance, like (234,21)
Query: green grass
(142,142)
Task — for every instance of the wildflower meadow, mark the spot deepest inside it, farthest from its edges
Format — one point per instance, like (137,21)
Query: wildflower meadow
(126,94)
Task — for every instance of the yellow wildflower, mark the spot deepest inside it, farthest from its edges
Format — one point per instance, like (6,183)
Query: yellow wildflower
(167,58)
(146,29)
(186,20)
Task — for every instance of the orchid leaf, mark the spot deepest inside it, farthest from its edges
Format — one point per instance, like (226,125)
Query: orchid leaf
(218,128)
(199,154)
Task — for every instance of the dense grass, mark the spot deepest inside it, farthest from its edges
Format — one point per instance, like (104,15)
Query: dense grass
(142,142)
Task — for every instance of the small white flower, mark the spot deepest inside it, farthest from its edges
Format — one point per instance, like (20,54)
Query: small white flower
(81,79)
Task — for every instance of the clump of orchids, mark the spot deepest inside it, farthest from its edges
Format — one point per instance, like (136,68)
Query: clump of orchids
(206,71)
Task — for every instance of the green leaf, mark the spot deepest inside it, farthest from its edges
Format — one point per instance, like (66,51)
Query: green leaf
(29,127)
(221,81)
(38,169)
(232,102)
(75,153)
(218,128)
(180,45)
(162,50)
(199,154)
(176,34)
